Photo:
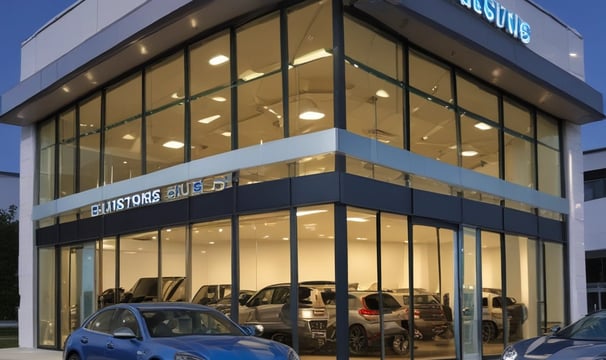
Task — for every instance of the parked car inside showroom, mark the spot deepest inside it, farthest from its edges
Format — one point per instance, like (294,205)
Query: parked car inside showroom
(584,339)
(177,331)
(430,318)
(492,314)
(219,296)
(145,289)
(270,307)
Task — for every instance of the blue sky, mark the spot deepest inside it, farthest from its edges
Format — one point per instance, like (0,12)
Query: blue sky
(19,19)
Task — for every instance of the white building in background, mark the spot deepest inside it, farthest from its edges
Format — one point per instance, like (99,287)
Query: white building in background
(401,144)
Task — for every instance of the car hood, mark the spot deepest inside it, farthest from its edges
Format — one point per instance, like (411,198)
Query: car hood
(226,347)
(554,348)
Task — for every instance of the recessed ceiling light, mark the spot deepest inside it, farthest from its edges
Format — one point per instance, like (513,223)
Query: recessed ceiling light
(573,54)
(172,144)
(128,137)
(218,60)
(382,93)
(482,126)
(219,99)
(469,153)
(226,133)
(209,119)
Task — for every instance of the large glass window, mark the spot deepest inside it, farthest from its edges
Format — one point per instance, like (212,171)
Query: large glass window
(90,143)
(109,293)
(480,146)
(174,261)
(123,145)
(165,115)
(492,317)
(140,282)
(429,76)
(477,98)
(554,285)
(210,104)
(47,287)
(518,147)
(310,73)
(67,153)
(548,154)
(260,89)
(46,136)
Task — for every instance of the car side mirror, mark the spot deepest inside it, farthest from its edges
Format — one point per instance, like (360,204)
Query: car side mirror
(253,330)
(555,329)
(124,333)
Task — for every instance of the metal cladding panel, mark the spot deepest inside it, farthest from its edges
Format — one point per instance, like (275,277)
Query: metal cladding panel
(213,205)
(520,222)
(46,236)
(68,232)
(436,206)
(551,229)
(264,196)
(149,217)
(91,228)
(314,189)
(482,214)
(368,193)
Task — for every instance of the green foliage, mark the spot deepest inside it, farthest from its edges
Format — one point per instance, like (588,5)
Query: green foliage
(9,257)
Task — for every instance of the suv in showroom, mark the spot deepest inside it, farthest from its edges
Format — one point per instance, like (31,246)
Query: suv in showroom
(430,318)
(270,307)
(146,289)
(492,314)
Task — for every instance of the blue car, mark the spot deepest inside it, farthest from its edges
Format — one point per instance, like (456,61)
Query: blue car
(168,331)
(584,339)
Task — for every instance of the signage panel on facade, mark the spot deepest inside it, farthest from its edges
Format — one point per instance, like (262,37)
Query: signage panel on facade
(496,14)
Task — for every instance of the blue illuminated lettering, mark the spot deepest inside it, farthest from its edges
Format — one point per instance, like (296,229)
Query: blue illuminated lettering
(497,14)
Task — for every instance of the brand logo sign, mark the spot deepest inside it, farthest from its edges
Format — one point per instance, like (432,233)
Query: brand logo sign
(496,14)
(169,193)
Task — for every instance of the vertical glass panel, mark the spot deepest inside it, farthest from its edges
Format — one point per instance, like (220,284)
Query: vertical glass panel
(373,50)
(165,127)
(211,265)
(312,165)
(46,145)
(554,285)
(67,153)
(547,131)
(260,91)
(517,118)
(522,285)
(265,266)
(374,107)
(477,98)
(480,146)
(492,318)
(109,292)
(173,260)
(65,315)
(139,267)
(46,297)
(519,160)
(432,130)
(209,64)
(374,171)
(470,309)
(429,76)
(310,70)
(316,256)
(90,143)
(165,138)
(433,282)
(123,146)
(549,170)
(210,104)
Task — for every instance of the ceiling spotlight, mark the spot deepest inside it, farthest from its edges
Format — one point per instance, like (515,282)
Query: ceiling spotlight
(218,60)
(172,144)
(382,93)
(468,153)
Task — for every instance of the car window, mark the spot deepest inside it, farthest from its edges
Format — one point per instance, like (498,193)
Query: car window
(125,318)
(280,295)
(176,322)
(389,303)
(101,322)
(262,298)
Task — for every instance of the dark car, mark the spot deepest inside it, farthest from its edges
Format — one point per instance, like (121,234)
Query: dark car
(430,318)
(584,339)
(179,331)
(145,289)
(219,296)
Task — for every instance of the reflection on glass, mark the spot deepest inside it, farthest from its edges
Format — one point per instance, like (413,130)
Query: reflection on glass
(123,145)
(522,284)
(173,260)
(210,124)
(432,130)
(67,153)
(211,261)
(554,285)
(374,171)
(310,75)
(480,146)
(517,117)
(306,166)
(46,136)
(549,163)
(90,143)
(477,98)
(519,160)
(430,76)
(209,64)
(470,309)
(492,321)
(46,297)
(108,292)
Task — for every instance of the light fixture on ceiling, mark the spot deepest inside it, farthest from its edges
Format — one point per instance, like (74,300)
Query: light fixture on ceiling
(382,94)
(128,137)
(218,60)
(310,212)
(469,153)
(209,119)
(249,75)
(176,95)
(309,110)
(573,54)
(219,99)
(311,56)
(357,219)
(172,144)
(482,126)
(226,133)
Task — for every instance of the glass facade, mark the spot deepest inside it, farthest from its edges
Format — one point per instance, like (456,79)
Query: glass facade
(269,242)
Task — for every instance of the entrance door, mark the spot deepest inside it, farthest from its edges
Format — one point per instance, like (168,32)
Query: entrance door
(77,286)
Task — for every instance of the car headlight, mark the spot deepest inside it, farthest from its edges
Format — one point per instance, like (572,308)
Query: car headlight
(186,356)
(509,353)
(292,355)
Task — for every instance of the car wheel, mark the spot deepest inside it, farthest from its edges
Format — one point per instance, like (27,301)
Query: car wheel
(400,344)
(489,331)
(73,356)
(358,343)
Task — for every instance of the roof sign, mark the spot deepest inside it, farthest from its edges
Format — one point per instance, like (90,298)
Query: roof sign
(496,14)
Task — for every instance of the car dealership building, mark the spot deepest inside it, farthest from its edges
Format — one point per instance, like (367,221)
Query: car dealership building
(383,145)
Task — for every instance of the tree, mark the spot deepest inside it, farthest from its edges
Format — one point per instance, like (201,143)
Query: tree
(9,261)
